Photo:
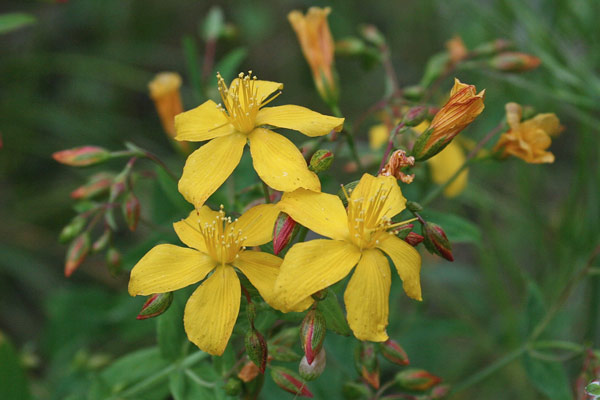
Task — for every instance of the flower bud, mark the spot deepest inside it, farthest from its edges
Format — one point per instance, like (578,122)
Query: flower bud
(248,372)
(456,49)
(131,210)
(283,232)
(514,62)
(320,161)
(416,379)
(491,48)
(350,46)
(593,389)
(113,260)
(436,241)
(413,206)
(290,381)
(413,239)
(312,334)
(82,156)
(415,115)
(439,392)
(97,184)
(464,105)
(355,391)
(256,348)
(312,371)
(371,34)
(101,243)
(414,92)
(403,230)
(156,305)
(73,229)
(233,387)
(366,363)
(77,252)
(393,352)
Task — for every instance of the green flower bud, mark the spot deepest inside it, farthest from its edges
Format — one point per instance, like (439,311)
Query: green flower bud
(156,305)
(312,334)
(290,381)
(256,348)
(312,371)
(73,229)
(320,161)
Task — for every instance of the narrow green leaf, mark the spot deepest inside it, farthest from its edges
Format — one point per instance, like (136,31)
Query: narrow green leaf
(12,21)
(549,378)
(14,382)
(229,65)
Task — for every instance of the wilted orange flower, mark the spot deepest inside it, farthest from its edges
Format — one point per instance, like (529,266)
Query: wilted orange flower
(529,139)
(397,161)
(318,47)
(456,49)
(464,105)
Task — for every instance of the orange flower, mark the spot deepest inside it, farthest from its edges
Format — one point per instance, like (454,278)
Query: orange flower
(528,139)
(464,105)
(318,48)
(397,161)
(456,49)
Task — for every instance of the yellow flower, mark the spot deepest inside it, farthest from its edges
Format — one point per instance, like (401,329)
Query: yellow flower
(216,246)
(378,136)
(358,236)
(445,164)
(276,159)
(464,105)
(318,48)
(529,139)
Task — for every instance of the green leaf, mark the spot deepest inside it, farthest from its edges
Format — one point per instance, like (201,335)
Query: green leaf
(549,378)
(435,68)
(458,229)
(169,328)
(334,316)
(177,385)
(175,204)
(229,65)
(213,23)
(13,21)
(14,382)
(535,307)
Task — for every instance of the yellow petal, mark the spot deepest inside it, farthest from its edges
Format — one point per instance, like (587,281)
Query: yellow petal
(208,167)
(166,268)
(371,187)
(188,229)
(367,297)
(202,123)
(279,163)
(311,266)
(257,224)
(514,113)
(445,164)
(262,270)
(548,122)
(320,212)
(298,118)
(407,261)
(212,310)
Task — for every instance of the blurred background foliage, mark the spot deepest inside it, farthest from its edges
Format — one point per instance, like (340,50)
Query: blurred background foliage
(79,75)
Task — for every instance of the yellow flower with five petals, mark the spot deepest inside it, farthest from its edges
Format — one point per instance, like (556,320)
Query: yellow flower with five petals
(243,117)
(358,235)
(216,249)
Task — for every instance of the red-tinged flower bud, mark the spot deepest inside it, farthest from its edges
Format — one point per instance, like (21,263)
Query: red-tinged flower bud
(156,305)
(403,230)
(312,371)
(312,334)
(82,156)
(256,348)
(131,211)
(514,62)
(232,387)
(73,229)
(113,260)
(290,381)
(320,161)
(416,379)
(355,391)
(491,48)
(439,392)
(436,241)
(415,115)
(101,243)
(366,363)
(97,184)
(284,231)
(393,352)
(77,252)
(413,239)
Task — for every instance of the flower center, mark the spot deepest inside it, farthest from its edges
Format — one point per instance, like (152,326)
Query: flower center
(365,221)
(223,240)
(241,101)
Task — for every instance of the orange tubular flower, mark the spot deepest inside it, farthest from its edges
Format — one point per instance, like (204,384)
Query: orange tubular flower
(529,139)
(318,48)
(464,105)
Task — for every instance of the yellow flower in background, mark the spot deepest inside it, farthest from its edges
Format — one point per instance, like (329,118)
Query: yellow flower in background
(378,136)
(445,164)
(528,139)
(318,48)
(239,119)
(464,105)
(216,245)
(358,235)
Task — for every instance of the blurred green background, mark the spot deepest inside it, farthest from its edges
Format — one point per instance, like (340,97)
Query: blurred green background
(79,75)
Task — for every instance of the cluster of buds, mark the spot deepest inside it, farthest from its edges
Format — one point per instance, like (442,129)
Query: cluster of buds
(366,363)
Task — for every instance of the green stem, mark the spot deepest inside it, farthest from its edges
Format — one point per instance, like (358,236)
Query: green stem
(266,193)
(348,135)
(302,234)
